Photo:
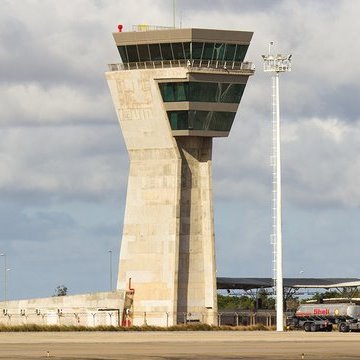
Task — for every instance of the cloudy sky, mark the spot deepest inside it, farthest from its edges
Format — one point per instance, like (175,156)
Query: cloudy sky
(64,166)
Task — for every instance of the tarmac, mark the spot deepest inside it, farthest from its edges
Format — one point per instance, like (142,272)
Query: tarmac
(180,345)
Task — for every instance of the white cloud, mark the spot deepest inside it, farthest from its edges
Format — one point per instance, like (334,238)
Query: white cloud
(63,162)
(32,104)
(321,162)
(54,104)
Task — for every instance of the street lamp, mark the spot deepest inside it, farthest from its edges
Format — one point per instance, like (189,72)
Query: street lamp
(277,64)
(110,269)
(5,276)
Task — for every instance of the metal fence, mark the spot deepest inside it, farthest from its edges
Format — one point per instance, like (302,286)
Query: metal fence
(116,318)
(145,27)
(91,318)
(229,318)
(210,65)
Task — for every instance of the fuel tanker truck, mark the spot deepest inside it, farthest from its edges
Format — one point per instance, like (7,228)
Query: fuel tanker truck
(322,317)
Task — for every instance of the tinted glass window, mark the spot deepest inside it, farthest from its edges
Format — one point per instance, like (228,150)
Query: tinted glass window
(205,92)
(187,50)
(132,53)
(219,51)
(166,52)
(178,51)
(208,51)
(167,92)
(240,52)
(178,120)
(144,52)
(221,121)
(201,120)
(231,93)
(229,52)
(155,53)
(197,49)
(202,92)
(174,91)
(123,54)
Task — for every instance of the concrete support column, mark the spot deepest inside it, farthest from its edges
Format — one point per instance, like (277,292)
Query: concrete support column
(196,276)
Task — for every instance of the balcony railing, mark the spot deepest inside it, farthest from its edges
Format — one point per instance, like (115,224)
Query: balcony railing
(210,65)
(145,27)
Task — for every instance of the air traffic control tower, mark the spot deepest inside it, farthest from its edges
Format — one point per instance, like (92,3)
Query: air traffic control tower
(175,90)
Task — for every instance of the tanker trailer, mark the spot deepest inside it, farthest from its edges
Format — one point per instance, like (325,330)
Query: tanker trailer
(322,317)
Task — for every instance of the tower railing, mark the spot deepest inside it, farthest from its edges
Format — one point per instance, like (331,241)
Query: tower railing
(216,65)
(145,27)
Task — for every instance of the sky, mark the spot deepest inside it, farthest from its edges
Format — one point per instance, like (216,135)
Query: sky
(64,166)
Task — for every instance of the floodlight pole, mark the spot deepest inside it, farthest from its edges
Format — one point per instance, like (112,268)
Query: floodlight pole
(277,209)
(110,270)
(277,64)
(5,277)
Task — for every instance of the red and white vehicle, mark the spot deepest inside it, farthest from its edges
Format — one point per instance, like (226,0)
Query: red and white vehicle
(322,317)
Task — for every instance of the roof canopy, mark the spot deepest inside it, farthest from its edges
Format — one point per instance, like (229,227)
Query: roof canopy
(297,283)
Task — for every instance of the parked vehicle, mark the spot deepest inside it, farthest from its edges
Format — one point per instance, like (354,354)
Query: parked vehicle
(322,317)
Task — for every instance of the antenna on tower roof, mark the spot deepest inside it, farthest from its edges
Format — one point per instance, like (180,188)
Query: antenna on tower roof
(174,12)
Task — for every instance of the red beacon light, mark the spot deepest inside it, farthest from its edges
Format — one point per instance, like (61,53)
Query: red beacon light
(120,27)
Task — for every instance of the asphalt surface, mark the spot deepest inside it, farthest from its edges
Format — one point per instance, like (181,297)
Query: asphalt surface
(180,345)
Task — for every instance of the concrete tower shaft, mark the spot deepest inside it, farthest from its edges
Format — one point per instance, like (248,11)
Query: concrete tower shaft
(174,92)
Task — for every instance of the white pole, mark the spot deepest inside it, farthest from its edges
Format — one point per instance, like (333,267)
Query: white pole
(277,64)
(5,277)
(279,267)
(6,270)
(110,269)
(174,11)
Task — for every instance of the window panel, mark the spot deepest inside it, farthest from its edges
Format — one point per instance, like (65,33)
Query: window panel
(155,53)
(181,91)
(167,92)
(123,54)
(208,51)
(198,119)
(174,91)
(166,52)
(132,53)
(229,52)
(241,52)
(144,54)
(219,51)
(178,120)
(205,92)
(187,50)
(221,121)
(202,92)
(231,93)
(197,50)
(178,51)
(201,120)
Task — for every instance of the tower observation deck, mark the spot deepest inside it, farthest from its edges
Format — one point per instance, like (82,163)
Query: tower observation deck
(174,91)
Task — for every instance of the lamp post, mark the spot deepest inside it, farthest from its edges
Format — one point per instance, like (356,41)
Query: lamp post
(110,269)
(5,276)
(277,64)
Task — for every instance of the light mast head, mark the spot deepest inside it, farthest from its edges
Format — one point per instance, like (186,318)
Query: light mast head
(276,63)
